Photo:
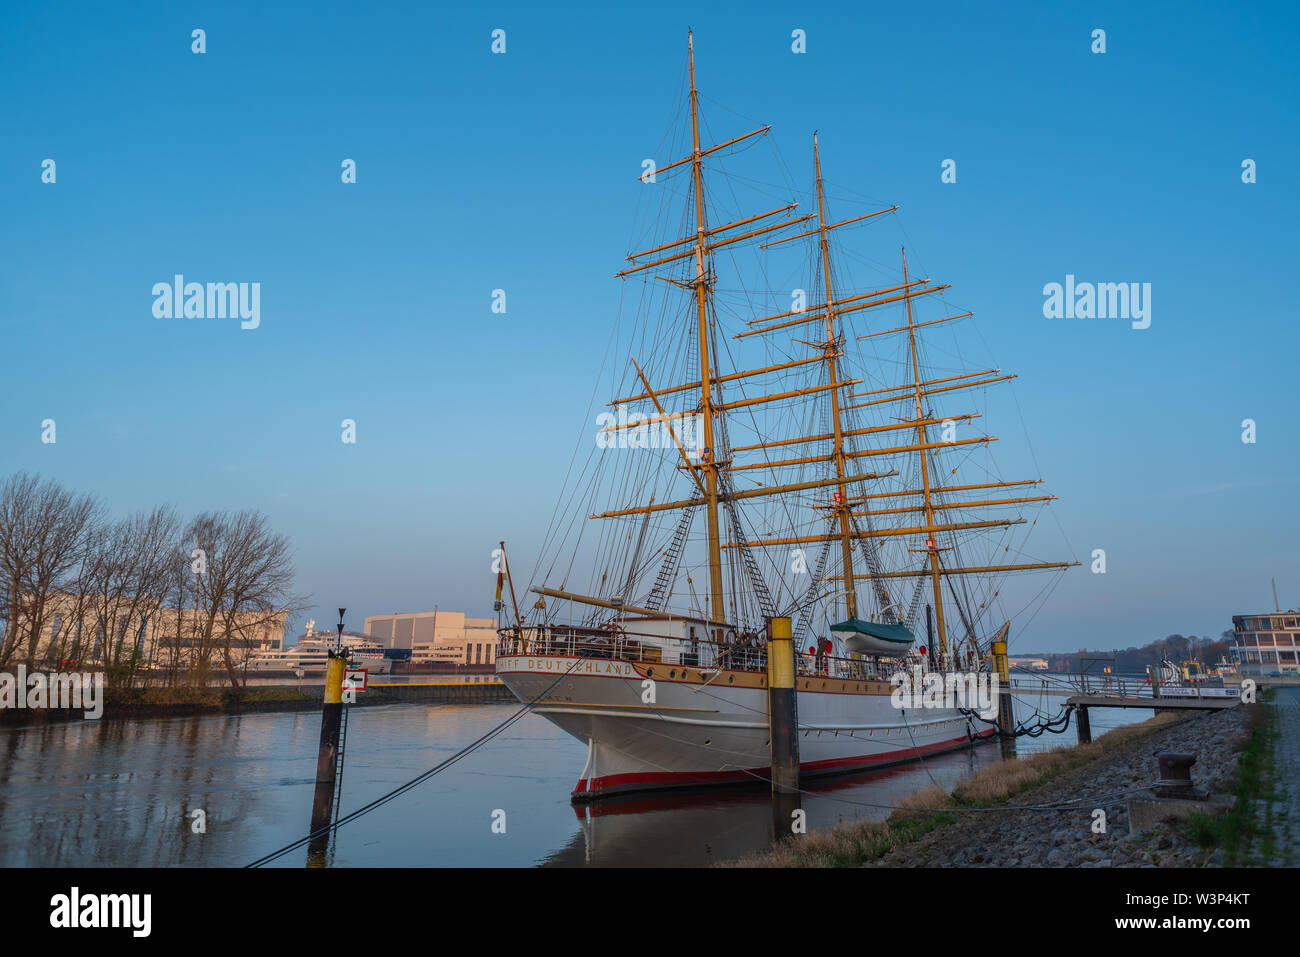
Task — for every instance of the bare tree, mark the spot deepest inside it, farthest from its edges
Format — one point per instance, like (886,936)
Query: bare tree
(179,591)
(245,586)
(59,556)
(17,499)
(44,531)
(124,581)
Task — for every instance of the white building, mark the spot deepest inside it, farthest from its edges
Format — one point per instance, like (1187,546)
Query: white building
(448,637)
(98,630)
(1262,644)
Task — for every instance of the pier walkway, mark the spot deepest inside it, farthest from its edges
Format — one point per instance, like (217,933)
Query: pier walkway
(1165,702)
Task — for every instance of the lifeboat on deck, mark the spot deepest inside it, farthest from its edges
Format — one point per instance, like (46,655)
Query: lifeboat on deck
(873,638)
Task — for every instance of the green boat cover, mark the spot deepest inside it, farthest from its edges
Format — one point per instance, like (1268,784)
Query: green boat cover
(875,629)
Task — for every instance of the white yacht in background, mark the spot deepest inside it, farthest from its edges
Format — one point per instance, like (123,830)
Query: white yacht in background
(307,657)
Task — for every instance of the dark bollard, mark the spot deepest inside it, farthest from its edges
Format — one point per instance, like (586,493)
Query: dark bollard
(1175,775)
(1174,797)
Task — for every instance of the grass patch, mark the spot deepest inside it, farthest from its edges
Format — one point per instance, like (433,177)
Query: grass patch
(1242,835)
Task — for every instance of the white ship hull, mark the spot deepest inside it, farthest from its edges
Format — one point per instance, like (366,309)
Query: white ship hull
(710,727)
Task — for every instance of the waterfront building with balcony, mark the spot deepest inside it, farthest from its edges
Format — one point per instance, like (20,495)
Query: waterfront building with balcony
(1266,643)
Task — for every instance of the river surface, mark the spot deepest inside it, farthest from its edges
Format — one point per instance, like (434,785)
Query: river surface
(124,793)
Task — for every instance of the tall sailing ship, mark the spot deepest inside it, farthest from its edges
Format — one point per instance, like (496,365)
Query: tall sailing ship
(776,463)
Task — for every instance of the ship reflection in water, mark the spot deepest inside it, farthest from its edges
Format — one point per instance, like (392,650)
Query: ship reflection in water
(707,827)
(122,793)
(703,828)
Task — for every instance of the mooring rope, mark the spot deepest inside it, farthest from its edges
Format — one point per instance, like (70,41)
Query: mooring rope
(414,782)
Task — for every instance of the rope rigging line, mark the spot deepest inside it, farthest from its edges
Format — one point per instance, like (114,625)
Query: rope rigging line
(414,782)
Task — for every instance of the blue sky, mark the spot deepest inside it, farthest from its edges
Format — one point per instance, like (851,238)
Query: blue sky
(518,171)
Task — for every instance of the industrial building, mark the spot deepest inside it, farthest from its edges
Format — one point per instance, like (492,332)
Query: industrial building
(437,637)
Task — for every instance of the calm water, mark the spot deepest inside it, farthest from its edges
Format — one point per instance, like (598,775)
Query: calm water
(122,793)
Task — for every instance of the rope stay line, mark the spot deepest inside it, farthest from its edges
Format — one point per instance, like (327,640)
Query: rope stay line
(414,782)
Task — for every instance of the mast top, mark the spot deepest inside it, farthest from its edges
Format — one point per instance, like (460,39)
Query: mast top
(690,58)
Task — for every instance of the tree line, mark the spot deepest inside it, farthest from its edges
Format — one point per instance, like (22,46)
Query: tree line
(1134,660)
(203,588)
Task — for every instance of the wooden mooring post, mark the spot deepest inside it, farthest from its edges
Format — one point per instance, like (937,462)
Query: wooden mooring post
(331,722)
(1082,724)
(783,726)
(1006,705)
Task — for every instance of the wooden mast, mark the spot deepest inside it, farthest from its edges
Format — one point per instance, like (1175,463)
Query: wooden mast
(713,489)
(931,546)
(831,352)
(717,609)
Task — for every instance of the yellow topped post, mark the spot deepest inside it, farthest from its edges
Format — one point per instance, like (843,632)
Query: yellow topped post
(1006,711)
(331,719)
(783,719)
(334,671)
(331,722)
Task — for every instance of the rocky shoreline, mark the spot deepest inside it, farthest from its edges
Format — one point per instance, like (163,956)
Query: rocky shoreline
(1037,838)
(1068,807)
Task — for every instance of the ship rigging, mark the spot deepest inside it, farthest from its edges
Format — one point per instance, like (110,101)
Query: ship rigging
(834,491)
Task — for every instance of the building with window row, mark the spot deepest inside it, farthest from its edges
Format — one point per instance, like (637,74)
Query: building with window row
(1262,644)
(437,637)
(99,631)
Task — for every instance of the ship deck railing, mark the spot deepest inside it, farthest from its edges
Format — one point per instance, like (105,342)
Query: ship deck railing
(745,654)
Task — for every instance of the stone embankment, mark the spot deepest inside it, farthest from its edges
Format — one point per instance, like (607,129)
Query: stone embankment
(1040,838)
(1043,810)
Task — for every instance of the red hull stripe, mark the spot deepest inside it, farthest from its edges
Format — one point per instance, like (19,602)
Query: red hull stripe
(651,779)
